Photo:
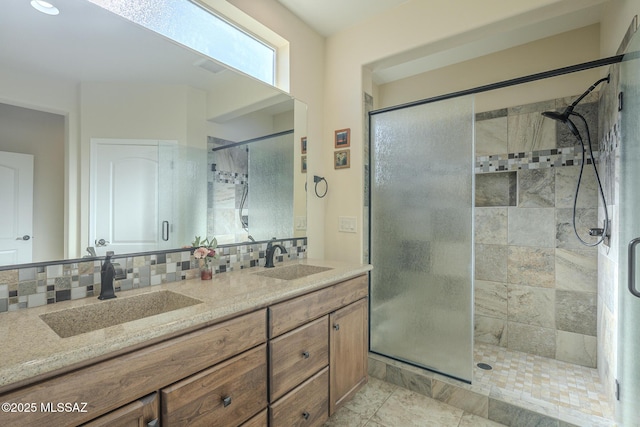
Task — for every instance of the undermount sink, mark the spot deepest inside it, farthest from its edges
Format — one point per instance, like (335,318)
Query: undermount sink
(293,272)
(79,320)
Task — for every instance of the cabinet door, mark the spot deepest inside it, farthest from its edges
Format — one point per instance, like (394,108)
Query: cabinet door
(141,413)
(348,353)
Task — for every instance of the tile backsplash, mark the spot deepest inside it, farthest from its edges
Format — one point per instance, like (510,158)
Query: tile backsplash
(34,286)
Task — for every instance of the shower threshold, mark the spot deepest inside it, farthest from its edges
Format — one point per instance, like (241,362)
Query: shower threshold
(521,389)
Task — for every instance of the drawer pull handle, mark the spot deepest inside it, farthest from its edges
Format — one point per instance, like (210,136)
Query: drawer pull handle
(306,415)
(154,423)
(226,401)
(336,326)
(305,354)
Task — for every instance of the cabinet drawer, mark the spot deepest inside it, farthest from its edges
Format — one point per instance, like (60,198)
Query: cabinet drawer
(142,412)
(307,405)
(225,395)
(288,315)
(259,420)
(297,355)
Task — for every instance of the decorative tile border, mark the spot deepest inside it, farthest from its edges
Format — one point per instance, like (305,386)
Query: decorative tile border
(47,284)
(557,157)
(225,177)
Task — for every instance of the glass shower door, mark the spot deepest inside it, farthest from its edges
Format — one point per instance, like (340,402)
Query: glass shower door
(629,229)
(271,187)
(421,235)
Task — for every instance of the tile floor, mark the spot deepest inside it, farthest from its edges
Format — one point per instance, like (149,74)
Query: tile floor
(551,383)
(381,404)
(521,389)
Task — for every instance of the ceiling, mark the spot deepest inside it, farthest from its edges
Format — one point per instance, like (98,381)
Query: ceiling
(329,17)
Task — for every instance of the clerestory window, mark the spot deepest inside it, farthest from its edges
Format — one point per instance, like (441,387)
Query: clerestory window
(200,29)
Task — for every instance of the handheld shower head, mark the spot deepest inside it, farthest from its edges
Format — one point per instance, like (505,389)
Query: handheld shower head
(564,118)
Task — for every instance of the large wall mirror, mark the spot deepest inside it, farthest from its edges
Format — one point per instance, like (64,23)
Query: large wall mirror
(116,138)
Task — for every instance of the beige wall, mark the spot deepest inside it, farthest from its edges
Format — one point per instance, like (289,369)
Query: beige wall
(40,134)
(59,97)
(565,49)
(307,64)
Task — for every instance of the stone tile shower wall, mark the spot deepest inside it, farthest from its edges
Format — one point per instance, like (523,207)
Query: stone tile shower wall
(227,177)
(610,141)
(536,285)
(48,284)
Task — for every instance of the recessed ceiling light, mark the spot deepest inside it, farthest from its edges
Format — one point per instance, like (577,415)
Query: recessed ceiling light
(44,7)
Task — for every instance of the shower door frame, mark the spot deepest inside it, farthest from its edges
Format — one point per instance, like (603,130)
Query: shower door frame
(485,88)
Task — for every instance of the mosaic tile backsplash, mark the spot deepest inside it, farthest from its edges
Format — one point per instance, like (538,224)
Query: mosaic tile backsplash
(35,286)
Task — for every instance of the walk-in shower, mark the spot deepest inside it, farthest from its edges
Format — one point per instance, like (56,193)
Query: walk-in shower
(251,188)
(430,273)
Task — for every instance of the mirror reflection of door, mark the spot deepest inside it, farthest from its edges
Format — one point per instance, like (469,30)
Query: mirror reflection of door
(130,201)
(16,208)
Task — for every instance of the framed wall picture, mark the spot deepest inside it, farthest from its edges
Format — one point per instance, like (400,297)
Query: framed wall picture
(304,164)
(303,145)
(342,159)
(343,138)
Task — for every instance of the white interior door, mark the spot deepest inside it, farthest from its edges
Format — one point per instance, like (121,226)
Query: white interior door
(125,208)
(16,208)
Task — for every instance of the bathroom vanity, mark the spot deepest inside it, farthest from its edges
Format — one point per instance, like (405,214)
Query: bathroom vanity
(256,351)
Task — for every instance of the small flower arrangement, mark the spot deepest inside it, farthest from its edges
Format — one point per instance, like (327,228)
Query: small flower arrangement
(205,250)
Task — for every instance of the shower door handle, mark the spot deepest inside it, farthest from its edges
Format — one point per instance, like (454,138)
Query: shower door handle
(165,231)
(632,267)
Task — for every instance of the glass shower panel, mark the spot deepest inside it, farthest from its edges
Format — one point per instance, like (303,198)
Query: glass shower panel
(421,243)
(270,205)
(629,228)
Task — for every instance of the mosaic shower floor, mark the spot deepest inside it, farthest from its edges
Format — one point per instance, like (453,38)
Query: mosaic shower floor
(549,384)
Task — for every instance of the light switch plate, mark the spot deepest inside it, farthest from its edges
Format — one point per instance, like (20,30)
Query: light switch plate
(347,224)
(301,223)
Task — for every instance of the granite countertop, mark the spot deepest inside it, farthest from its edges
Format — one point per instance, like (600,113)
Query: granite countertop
(31,349)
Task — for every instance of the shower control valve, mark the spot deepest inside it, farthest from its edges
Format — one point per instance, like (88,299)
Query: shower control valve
(596,231)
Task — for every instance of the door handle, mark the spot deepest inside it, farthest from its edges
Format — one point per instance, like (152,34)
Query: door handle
(165,230)
(632,267)
(100,243)
(25,237)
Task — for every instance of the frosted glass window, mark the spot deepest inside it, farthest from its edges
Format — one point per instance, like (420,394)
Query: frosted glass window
(201,30)
(421,239)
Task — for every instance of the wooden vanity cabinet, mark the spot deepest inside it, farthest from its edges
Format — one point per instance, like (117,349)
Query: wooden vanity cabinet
(318,344)
(141,413)
(113,384)
(291,364)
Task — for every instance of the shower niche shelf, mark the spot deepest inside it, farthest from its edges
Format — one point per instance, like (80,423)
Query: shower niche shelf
(496,189)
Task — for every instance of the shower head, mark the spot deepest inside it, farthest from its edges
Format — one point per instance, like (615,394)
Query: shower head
(561,117)
(564,118)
